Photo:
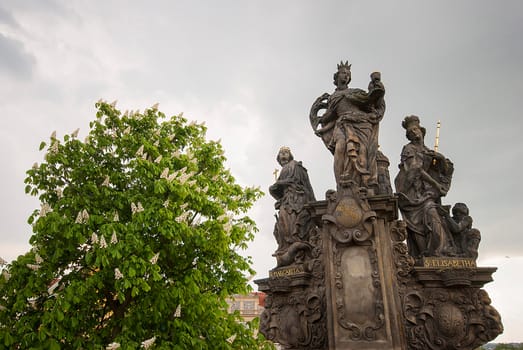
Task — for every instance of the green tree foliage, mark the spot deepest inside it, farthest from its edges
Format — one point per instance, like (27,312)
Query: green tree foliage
(136,243)
(508,346)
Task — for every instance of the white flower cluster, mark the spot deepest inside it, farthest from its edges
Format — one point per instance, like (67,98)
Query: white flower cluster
(165,174)
(116,218)
(139,153)
(106,181)
(191,157)
(82,217)
(202,190)
(136,208)
(247,227)
(154,259)
(38,259)
(127,130)
(196,222)
(186,176)
(33,267)
(117,274)
(54,148)
(74,134)
(181,175)
(103,243)
(146,344)
(45,209)
(101,240)
(236,198)
(114,239)
(2,261)
(158,159)
(227,226)
(183,217)
(230,340)
(112,346)
(59,192)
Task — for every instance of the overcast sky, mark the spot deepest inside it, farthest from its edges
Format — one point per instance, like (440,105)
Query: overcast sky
(251,70)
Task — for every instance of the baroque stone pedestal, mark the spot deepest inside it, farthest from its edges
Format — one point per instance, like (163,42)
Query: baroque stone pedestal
(362,303)
(294,315)
(447,309)
(358,288)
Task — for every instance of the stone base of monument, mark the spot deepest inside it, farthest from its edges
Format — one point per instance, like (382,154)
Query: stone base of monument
(362,290)
(362,303)
(294,314)
(445,308)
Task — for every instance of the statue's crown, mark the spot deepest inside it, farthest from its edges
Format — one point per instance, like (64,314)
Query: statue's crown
(345,65)
(410,120)
(285,148)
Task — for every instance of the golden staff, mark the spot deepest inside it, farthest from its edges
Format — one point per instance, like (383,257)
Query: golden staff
(436,144)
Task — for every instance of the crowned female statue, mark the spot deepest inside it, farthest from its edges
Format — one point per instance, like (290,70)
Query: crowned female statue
(349,127)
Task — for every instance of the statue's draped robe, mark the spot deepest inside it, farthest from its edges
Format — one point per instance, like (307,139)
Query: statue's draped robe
(420,202)
(292,190)
(357,115)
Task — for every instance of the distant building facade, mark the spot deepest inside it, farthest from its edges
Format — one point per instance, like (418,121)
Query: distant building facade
(249,306)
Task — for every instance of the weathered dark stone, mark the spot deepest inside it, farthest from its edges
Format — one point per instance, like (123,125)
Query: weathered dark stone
(349,274)
(294,313)
(424,178)
(349,128)
(362,306)
(466,238)
(292,191)
(443,307)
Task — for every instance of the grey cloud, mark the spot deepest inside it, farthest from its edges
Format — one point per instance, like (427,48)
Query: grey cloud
(16,61)
(7,18)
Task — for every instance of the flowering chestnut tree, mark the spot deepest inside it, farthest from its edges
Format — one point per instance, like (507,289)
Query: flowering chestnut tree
(136,243)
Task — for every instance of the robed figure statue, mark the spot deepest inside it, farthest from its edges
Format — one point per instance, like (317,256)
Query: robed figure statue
(349,127)
(424,177)
(292,192)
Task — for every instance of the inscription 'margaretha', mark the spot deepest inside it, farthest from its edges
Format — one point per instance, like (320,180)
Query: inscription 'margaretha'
(456,263)
(286,272)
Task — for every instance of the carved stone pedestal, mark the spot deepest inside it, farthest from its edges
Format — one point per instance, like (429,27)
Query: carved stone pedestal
(360,289)
(294,314)
(446,309)
(362,303)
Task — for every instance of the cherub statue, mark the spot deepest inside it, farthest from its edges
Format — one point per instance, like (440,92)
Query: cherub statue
(466,238)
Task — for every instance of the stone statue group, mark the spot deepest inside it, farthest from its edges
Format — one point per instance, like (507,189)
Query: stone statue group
(349,127)
(349,274)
